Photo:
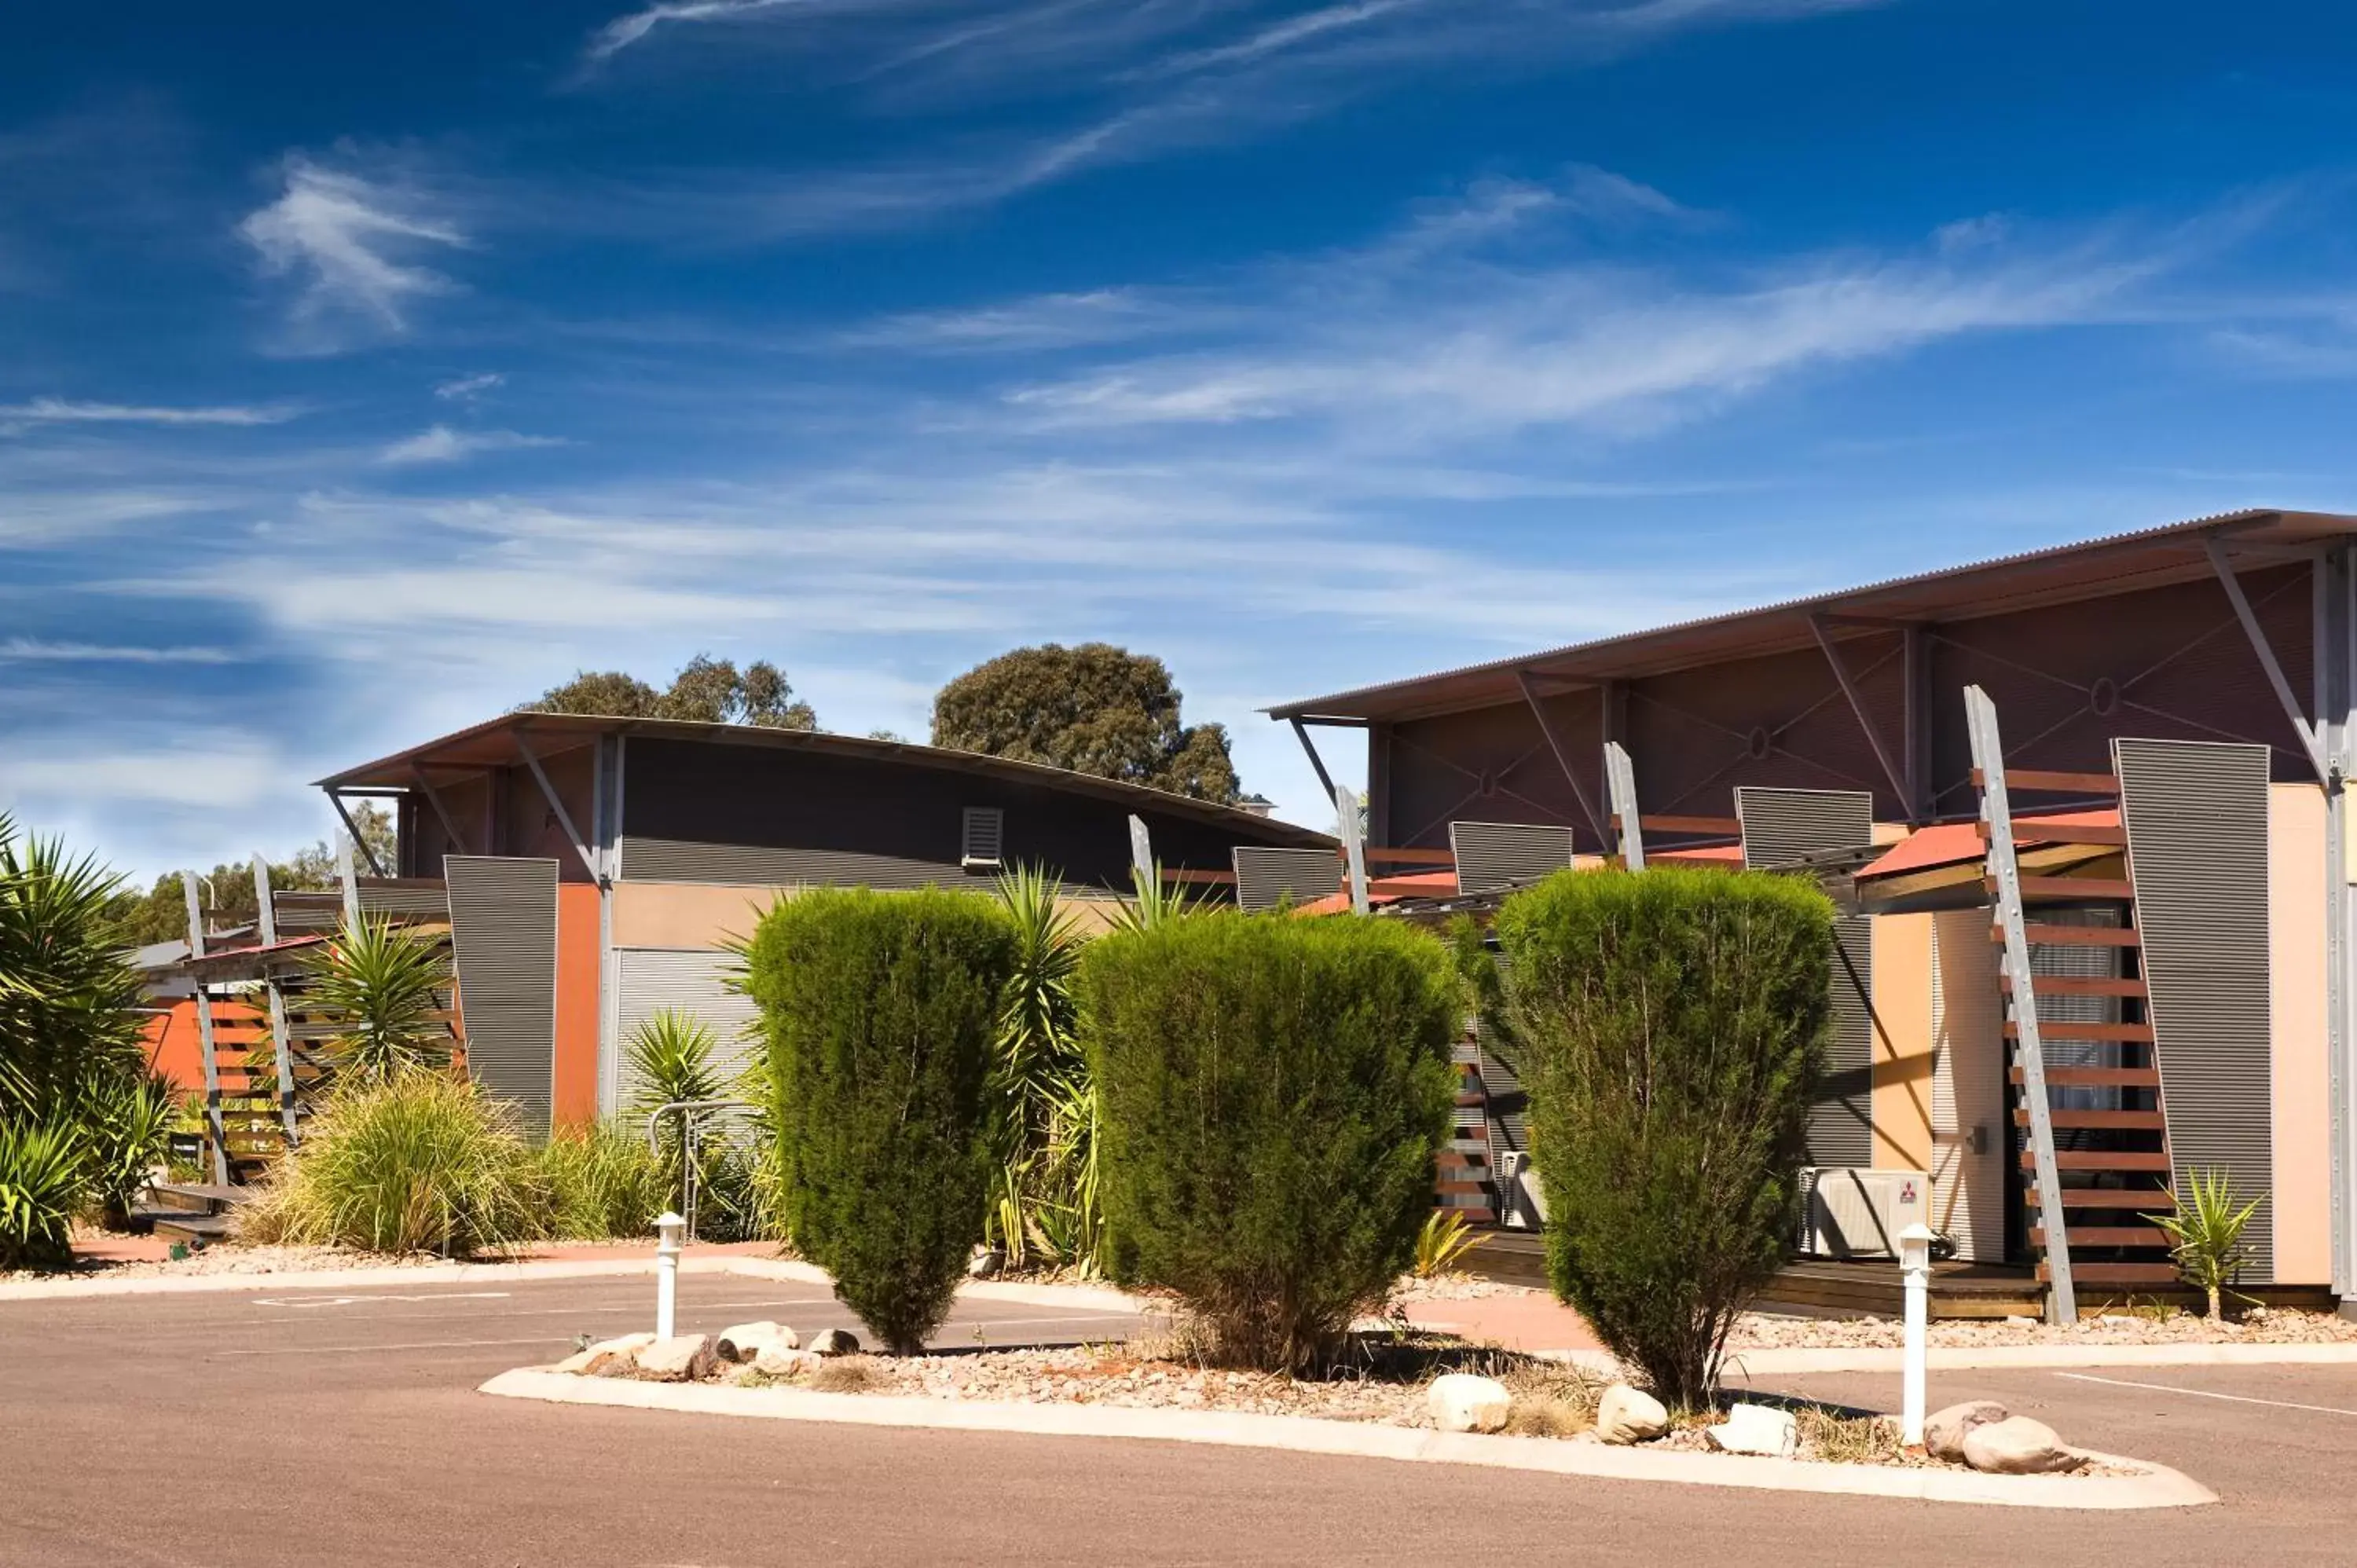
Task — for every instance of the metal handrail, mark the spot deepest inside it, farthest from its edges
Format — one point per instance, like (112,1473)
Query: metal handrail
(688,1144)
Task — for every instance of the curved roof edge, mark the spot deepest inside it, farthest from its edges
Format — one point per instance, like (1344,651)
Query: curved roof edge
(494,743)
(2057,575)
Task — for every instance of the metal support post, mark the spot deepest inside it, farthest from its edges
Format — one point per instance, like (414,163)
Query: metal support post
(2029,1050)
(1141,858)
(217,1133)
(280,1051)
(1620,788)
(1354,845)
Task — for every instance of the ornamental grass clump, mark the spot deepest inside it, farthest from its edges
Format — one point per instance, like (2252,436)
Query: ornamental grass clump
(1273,1092)
(881,1011)
(1668,1027)
(603,1181)
(419,1161)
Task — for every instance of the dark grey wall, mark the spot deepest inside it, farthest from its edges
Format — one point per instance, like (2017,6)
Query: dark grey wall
(2197,822)
(714,811)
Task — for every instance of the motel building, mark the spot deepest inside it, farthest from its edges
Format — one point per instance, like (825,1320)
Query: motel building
(2170,711)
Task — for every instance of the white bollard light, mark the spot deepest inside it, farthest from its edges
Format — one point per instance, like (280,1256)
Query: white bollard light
(670,1231)
(1915,1269)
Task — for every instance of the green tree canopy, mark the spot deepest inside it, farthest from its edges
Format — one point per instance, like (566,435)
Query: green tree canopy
(1092,708)
(705,690)
(161,914)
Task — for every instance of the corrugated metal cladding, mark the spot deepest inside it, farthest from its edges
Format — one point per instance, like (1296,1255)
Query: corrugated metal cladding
(503,944)
(2197,820)
(1780,827)
(1493,855)
(679,860)
(649,980)
(1267,878)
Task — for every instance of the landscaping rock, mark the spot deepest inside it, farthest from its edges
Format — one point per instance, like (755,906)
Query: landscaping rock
(1461,1401)
(835,1342)
(1630,1415)
(683,1358)
(1757,1429)
(607,1357)
(1944,1431)
(2018,1446)
(781,1359)
(741,1343)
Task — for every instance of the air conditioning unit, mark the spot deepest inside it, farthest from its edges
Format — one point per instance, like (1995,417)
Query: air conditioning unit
(1521,1206)
(1849,1211)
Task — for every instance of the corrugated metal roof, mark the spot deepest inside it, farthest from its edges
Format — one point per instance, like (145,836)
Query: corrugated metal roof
(493,744)
(2062,573)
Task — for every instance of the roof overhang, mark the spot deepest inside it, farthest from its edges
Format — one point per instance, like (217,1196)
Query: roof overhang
(502,742)
(2098,568)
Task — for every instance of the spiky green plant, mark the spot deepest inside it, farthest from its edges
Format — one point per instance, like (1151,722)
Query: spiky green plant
(1442,1243)
(2206,1235)
(44,1174)
(419,1161)
(671,1061)
(128,1125)
(1043,1200)
(70,1005)
(1153,899)
(378,983)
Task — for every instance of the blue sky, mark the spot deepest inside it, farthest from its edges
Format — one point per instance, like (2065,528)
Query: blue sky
(365,370)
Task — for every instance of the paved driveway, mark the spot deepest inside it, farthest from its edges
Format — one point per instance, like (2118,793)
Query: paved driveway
(301,1426)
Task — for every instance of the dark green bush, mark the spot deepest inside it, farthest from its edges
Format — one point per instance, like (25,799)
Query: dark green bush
(1274,1090)
(881,1011)
(1670,1025)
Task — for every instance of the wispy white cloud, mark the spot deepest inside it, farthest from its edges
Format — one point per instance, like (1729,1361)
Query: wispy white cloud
(441,443)
(68,411)
(353,244)
(623,31)
(466,389)
(34,651)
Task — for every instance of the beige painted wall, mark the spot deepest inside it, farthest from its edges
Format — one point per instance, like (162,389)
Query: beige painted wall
(700,915)
(1903,1046)
(1968,1087)
(2297,872)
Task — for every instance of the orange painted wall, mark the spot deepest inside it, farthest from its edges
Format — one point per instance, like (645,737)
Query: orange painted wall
(573,1092)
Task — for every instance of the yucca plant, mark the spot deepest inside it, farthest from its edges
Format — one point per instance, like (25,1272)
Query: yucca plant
(70,1005)
(419,1161)
(128,1125)
(1036,1071)
(1153,900)
(44,1176)
(1441,1243)
(376,983)
(2206,1236)
(671,1057)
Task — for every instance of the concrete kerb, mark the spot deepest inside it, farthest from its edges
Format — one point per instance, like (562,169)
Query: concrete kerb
(2152,1487)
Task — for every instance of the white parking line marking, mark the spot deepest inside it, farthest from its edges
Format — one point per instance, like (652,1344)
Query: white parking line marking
(349,1300)
(2205,1394)
(416,1345)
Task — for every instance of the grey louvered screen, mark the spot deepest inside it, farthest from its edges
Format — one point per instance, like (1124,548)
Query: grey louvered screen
(1267,877)
(503,945)
(306,910)
(981,837)
(1782,827)
(1493,856)
(649,980)
(754,865)
(2197,821)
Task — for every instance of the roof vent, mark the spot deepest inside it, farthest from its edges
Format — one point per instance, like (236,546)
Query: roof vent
(986,831)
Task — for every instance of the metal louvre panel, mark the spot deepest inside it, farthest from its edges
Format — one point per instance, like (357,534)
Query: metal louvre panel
(503,946)
(696,982)
(1267,877)
(1492,857)
(1780,827)
(2197,820)
(680,860)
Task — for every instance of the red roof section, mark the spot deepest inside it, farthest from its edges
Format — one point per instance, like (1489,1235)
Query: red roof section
(1952,844)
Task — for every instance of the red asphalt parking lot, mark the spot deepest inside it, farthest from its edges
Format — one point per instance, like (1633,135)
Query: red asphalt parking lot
(300,1425)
